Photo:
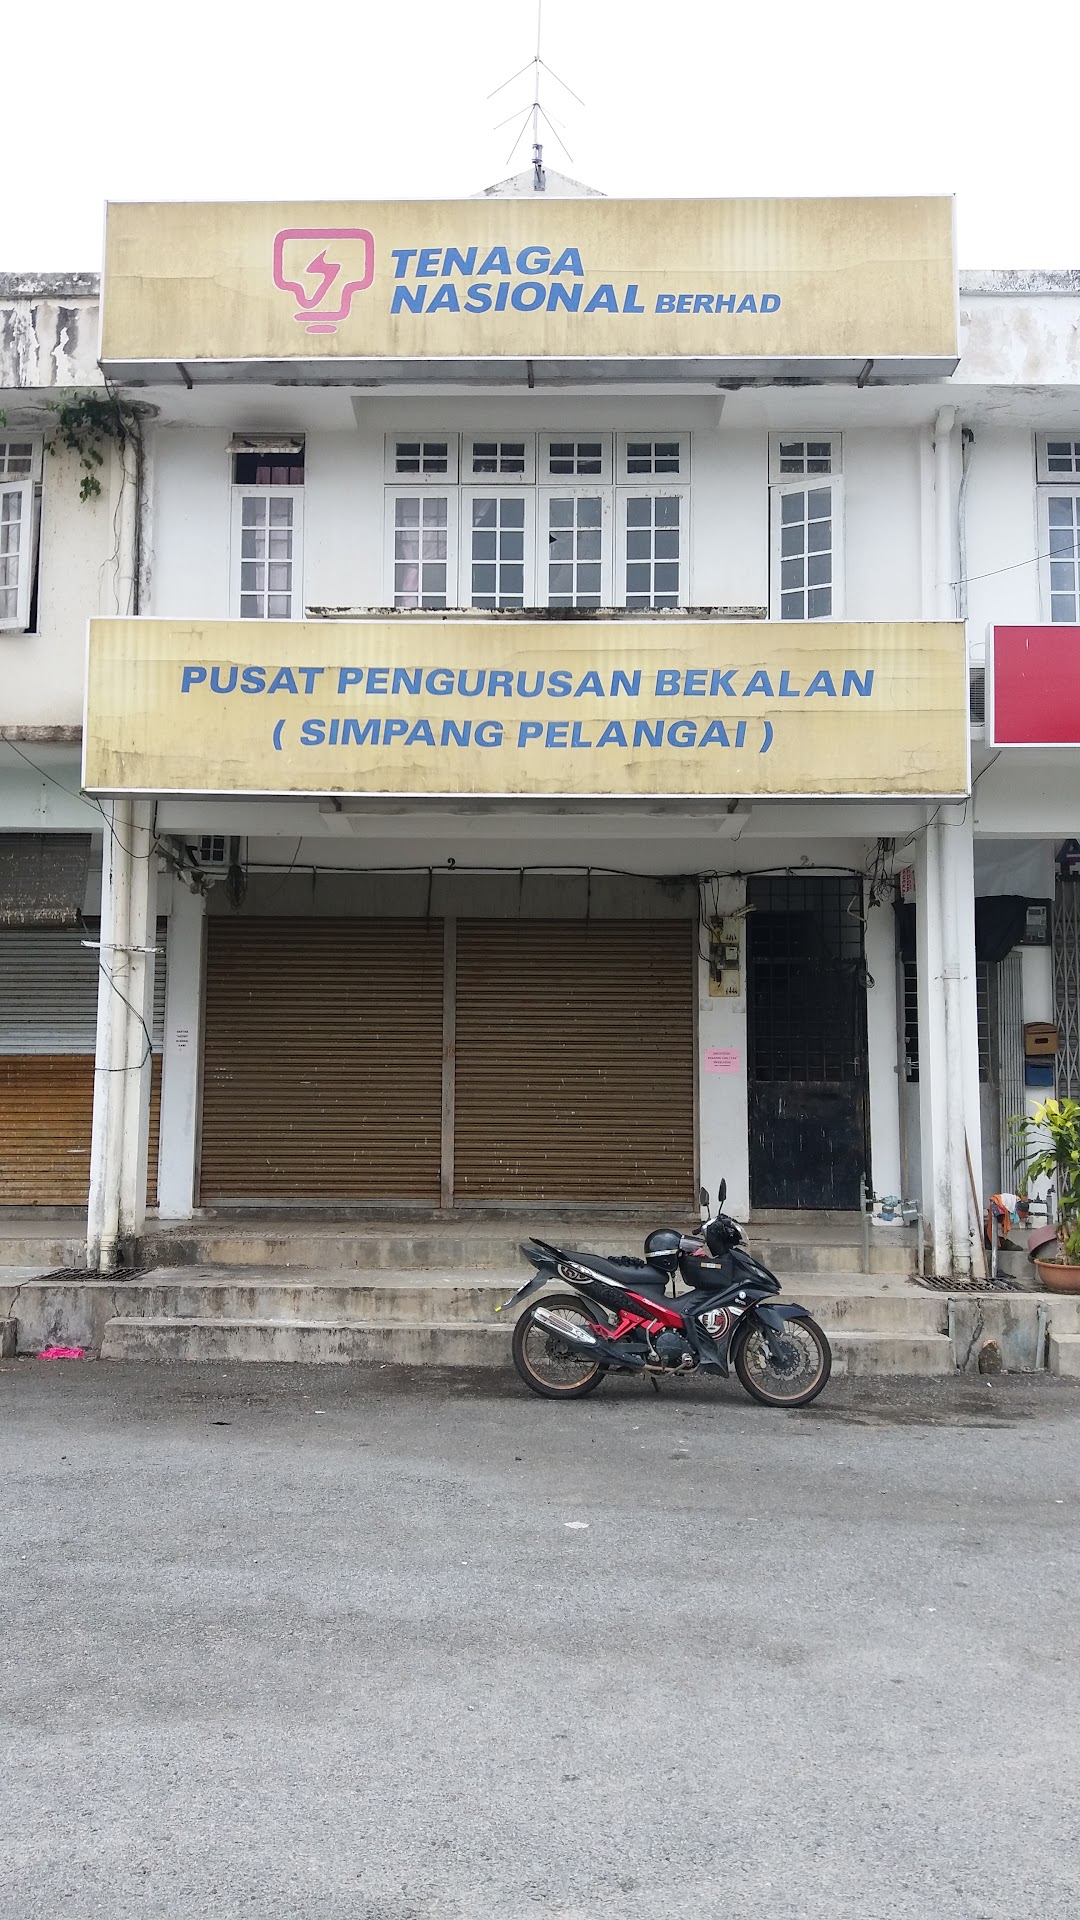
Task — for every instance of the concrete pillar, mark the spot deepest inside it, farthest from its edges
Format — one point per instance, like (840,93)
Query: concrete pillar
(949,1117)
(882,1050)
(180,1067)
(723,1130)
(122,1054)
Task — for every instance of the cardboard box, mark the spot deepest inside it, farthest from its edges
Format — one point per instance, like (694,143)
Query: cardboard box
(1040,1040)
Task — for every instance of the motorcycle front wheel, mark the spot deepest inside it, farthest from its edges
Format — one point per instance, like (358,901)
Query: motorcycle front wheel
(551,1366)
(791,1376)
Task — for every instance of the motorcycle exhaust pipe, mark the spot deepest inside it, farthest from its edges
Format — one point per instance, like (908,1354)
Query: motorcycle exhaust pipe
(585,1342)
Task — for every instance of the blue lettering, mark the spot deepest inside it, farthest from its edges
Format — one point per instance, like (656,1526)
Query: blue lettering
(215,680)
(721,683)
(402,255)
(253,680)
(682,733)
(694,683)
(715,735)
(191,677)
(668,680)
(740,734)
(747,304)
(556,733)
(528,296)
(648,733)
(428,262)
(568,297)
(349,677)
(408,297)
(770,302)
(628,683)
(334,726)
(703,303)
(440,680)
(603,300)
(665,303)
(725,303)
(284,681)
(758,682)
(310,675)
(356,733)
(421,735)
(463,686)
(406,680)
(479,298)
(446,298)
(377,679)
(500,680)
(394,730)
(559,684)
(489,733)
(501,292)
(530,693)
(540,255)
(497,261)
(569,261)
(591,683)
(630,299)
(786,690)
(822,682)
(614,735)
(529,730)
(455,733)
(684,303)
(313,733)
(862,684)
(455,262)
(576,739)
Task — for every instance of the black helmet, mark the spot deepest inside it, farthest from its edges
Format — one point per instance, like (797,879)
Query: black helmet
(662,1250)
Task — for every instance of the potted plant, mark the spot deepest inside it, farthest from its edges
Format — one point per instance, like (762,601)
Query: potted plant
(1054,1129)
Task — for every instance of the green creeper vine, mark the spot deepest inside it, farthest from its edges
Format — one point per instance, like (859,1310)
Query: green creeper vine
(85,424)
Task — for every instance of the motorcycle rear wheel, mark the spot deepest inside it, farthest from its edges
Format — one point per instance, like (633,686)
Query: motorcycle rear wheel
(548,1365)
(792,1381)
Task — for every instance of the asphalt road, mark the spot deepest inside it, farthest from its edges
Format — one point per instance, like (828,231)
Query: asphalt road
(309,1642)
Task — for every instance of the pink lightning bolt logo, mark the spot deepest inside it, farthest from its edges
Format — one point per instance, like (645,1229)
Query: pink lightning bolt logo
(323,283)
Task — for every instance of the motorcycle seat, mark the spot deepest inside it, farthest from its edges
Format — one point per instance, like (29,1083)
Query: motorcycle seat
(626,1272)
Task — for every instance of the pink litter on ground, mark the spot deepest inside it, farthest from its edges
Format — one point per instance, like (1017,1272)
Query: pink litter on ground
(61,1353)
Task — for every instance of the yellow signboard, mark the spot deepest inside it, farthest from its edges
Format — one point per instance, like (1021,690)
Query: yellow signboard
(490,706)
(531,278)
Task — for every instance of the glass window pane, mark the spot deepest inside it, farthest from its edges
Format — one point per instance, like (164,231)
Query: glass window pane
(588,544)
(589,581)
(639,513)
(512,546)
(280,512)
(280,545)
(561,546)
(280,579)
(484,513)
(1062,607)
(250,606)
(667,576)
(407,513)
(667,512)
(435,511)
(434,543)
(819,569)
(819,503)
(791,574)
(1062,540)
(819,603)
(407,544)
(1059,511)
(1062,576)
(637,578)
(792,507)
(483,579)
(279,606)
(639,543)
(589,513)
(561,579)
(667,543)
(819,536)
(252,512)
(791,606)
(513,513)
(251,577)
(484,545)
(560,513)
(791,539)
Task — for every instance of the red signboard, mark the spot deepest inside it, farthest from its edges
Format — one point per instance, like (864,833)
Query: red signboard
(1034,687)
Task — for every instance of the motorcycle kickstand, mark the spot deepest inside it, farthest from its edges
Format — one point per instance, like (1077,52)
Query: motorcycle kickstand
(654,1383)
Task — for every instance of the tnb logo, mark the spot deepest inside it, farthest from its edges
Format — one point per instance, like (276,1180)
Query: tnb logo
(322,267)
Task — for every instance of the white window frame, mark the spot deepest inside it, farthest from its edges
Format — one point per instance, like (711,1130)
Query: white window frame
(296,495)
(485,481)
(421,491)
(575,490)
(835,443)
(411,481)
(807,483)
(573,435)
(502,492)
(657,491)
(25,489)
(1059,491)
(1042,469)
(653,482)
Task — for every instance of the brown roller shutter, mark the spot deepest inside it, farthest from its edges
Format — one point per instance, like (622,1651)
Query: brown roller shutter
(575,1061)
(322,1074)
(46,1111)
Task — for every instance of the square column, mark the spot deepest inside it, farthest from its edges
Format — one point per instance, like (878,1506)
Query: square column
(949,1117)
(182,1053)
(122,1067)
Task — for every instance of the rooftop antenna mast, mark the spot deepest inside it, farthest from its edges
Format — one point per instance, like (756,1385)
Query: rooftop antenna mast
(536,112)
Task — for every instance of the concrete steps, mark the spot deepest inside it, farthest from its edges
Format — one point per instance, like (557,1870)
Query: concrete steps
(449,1343)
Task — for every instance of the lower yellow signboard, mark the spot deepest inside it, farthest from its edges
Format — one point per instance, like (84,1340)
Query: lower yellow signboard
(491,705)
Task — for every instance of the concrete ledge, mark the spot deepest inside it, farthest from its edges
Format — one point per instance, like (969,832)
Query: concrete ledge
(9,1339)
(862,1353)
(1063,1355)
(448,1345)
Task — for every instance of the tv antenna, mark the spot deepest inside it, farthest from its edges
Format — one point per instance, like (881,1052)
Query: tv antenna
(536,111)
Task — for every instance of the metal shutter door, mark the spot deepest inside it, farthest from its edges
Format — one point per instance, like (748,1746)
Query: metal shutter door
(575,1061)
(322,1068)
(48,1020)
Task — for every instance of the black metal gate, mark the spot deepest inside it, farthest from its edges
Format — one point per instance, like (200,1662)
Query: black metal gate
(807,1041)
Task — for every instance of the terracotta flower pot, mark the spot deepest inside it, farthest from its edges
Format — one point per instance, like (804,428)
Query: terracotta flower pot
(1059,1276)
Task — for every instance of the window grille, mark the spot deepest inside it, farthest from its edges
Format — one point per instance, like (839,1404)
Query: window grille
(422,457)
(267,555)
(1067,986)
(644,458)
(806,538)
(574,458)
(507,459)
(421,551)
(654,550)
(16,459)
(575,553)
(1058,457)
(497,551)
(805,456)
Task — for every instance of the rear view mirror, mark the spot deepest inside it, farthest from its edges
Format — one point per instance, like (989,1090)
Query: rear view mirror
(703,1198)
(722,1195)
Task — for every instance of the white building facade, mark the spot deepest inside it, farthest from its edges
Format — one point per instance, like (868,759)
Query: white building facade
(404,985)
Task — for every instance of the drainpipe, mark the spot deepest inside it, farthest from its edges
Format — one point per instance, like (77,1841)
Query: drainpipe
(945,605)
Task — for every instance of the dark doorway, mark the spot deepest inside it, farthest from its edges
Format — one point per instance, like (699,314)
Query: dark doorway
(807,1041)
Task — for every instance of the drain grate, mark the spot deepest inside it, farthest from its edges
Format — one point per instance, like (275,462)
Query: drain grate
(1000,1285)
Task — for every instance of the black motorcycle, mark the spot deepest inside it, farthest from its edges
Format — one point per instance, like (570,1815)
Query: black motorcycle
(620,1316)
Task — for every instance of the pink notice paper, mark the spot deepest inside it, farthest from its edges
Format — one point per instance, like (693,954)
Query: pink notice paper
(721,1059)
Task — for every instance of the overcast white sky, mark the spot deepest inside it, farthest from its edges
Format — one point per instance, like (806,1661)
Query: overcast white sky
(312,99)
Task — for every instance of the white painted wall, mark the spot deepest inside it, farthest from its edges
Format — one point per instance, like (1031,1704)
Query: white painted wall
(1002,533)
(882,524)
(723,1134)
(883,1061)
(182,1054)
